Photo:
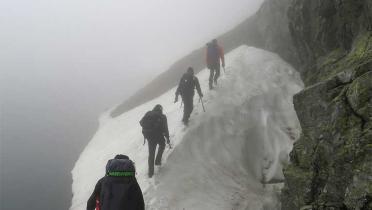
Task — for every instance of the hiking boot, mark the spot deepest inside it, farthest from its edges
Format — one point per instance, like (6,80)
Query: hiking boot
(210,83)
(151,174)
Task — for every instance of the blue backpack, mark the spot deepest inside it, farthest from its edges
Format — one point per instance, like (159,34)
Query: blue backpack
(120,178)
(213,53)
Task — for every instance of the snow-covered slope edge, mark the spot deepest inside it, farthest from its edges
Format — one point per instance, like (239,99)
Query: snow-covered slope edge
(220,158)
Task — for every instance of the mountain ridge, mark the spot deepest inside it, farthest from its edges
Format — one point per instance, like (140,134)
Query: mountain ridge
(266,29)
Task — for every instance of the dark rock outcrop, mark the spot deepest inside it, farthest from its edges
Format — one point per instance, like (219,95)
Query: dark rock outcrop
(267,29)
(331,164)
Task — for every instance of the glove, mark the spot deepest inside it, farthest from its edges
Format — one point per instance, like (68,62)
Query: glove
(168,140)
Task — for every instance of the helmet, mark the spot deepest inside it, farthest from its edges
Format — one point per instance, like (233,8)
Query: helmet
(120,156)
(158,108)
(190,70)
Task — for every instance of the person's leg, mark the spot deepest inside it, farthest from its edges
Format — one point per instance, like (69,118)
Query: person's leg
(211,76)
(152,147)
(191,105)
(185,108)
(161,148)
(188,108)
(217,75)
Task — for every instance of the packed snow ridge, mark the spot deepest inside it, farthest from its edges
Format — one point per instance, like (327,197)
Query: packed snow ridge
(222,158)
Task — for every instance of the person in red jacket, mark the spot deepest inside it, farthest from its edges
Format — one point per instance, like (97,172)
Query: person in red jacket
(213,56)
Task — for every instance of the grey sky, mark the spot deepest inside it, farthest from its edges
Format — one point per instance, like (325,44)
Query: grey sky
(63,62)
(85,44)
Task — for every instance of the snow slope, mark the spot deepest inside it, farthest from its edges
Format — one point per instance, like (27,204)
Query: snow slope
(221,158)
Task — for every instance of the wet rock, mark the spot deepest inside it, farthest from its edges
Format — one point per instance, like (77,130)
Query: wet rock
(331,165)
(359,96)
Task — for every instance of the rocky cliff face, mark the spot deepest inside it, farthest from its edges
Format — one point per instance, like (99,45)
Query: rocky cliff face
(331,164)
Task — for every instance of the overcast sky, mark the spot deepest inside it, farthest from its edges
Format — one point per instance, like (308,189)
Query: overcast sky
(63,62)
(80,45)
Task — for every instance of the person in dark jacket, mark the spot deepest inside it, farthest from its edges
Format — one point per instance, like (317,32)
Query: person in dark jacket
(155,128)
(186,88)
(118,189)
(213,56)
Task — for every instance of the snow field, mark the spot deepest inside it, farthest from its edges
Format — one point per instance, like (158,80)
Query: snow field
(220,159)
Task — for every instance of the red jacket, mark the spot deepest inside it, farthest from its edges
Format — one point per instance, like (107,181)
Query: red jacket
(209,60)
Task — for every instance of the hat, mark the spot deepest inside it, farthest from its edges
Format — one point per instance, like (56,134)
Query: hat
(158,107)
(190,70)
(120,156)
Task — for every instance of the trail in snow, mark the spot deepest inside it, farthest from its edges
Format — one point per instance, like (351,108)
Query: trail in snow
(218,161)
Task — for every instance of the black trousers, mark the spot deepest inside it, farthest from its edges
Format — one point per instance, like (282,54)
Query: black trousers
(188,106)
(153,142)
(214,70)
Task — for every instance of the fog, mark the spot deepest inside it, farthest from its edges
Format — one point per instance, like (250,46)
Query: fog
(62,63)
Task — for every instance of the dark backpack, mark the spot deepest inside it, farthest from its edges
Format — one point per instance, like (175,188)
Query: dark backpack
(213,53)
(187,84)
(151,123)
(116,185)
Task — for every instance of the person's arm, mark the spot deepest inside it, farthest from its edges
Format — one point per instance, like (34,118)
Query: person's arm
(165,129)
(178,90)
(137,197)
(141,121)
(91,204)
(222,56)
(197,85)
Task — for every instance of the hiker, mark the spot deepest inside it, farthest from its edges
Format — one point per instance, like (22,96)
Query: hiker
(155,128)
(214,54)
(118,189)
(186,88)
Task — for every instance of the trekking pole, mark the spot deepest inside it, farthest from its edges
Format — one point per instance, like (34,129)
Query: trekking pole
(201,100)
(170,146)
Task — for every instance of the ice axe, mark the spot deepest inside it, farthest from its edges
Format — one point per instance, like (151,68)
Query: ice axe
(201,100)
